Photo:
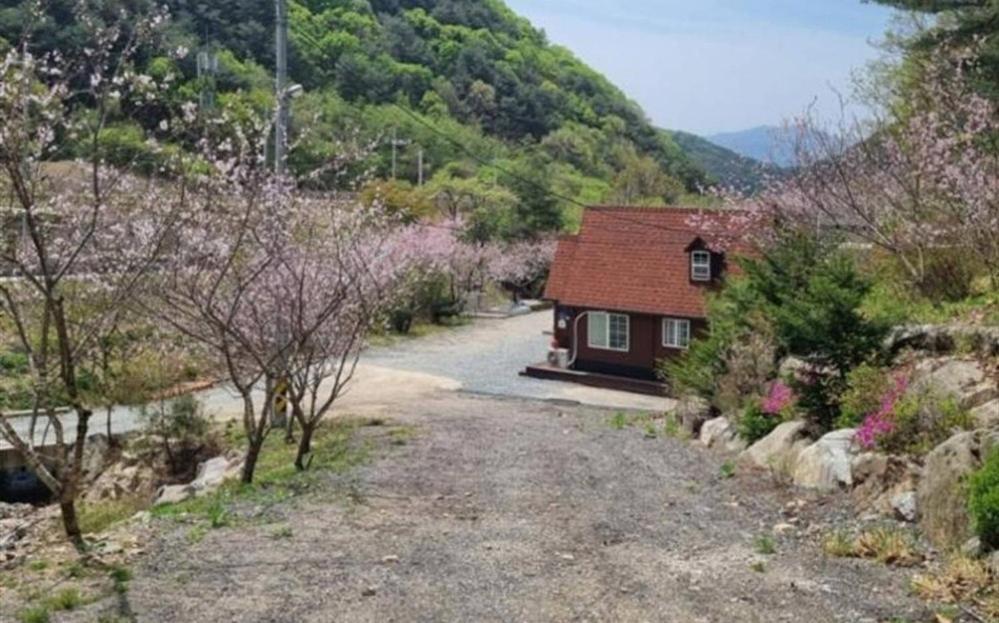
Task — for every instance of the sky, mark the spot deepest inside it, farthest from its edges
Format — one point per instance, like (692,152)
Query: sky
(709,66)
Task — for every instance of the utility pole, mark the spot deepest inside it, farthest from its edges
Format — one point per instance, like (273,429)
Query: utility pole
(281,122)
(396,144)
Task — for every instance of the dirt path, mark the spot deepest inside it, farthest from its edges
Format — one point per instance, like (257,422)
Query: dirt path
(514,510)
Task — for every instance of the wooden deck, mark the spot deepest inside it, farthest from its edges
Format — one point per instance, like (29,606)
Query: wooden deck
(548,372)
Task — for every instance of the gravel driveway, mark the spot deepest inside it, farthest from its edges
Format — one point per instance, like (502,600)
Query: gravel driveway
(488,355)
(503,509)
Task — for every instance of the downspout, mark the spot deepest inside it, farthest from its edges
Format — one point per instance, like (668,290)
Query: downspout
(575,338)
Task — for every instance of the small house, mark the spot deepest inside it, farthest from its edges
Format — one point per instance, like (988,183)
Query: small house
(630,289)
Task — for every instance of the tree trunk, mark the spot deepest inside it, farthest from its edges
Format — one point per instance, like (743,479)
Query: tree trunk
(252,454)
(304,447)
(289,430)
(71,524)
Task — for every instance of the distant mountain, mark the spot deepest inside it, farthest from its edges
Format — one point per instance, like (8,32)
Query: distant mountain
(723,165)
(762,143)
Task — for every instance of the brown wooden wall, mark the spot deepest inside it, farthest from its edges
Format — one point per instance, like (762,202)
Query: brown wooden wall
(645,349)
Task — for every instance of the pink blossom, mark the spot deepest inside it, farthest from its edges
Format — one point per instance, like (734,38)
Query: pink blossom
(881,423)
(780,397)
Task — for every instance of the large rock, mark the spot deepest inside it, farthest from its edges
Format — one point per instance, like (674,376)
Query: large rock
(905,505)
(946,338)
(96,455)
(122,480)
(211,475)
(881,482)
(173,494)
(987,415)
(720,433)
(826,464)
(780,449)
(692,412)
(964,379)
(941,497)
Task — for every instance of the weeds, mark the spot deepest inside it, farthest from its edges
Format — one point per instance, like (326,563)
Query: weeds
(961,580)
(727,470)
(764,544)
(887,545)
(120,577)
(66,599)
(619,421)
(34,614)
(96,518)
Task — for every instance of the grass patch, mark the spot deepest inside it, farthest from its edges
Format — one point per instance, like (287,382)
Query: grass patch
(65,599)
(962,580)
(887,545)
(727,470)
(335,449)
(34,614)
(98,517)
(619,421)
(120,577)
(765,545)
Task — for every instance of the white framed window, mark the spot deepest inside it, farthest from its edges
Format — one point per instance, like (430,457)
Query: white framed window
(676,333)
(700,265)
(608,331)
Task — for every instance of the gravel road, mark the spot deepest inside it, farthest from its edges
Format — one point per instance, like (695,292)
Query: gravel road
(504,509)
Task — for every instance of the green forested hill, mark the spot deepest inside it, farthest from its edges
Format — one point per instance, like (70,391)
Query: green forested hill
(724,165)
(501,116)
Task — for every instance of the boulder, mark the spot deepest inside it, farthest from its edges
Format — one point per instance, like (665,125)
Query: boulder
(964,379)
(779,449)
(945,338)
(211,474)
(692,412)
(904,505)
(940,497)
(96,454)
(826,464)
(720,433)
(173,494)
(987,415)
(880,481)
(120,481)
(868,466)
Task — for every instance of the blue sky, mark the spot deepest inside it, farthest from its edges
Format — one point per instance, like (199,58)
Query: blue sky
(710,66)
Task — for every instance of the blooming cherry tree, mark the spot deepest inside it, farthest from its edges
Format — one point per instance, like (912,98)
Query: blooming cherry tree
(65,276)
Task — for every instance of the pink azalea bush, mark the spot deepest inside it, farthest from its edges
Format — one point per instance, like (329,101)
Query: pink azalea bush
(881,423)
(780,398)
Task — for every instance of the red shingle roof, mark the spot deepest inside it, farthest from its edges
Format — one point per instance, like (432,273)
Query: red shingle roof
(635,260)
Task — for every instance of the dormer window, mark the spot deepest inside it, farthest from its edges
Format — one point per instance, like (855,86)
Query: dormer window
(700,265)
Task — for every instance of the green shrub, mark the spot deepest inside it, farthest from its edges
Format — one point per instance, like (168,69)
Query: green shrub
(983,500)
(810,293)
(866,385)
(754,424)
(66,599)
(923,421)
(34,614)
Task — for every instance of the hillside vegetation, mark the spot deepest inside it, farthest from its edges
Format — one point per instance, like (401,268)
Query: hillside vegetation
(502,117)
(727,167)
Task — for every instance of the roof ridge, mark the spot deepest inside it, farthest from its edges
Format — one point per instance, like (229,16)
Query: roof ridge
(663,208)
